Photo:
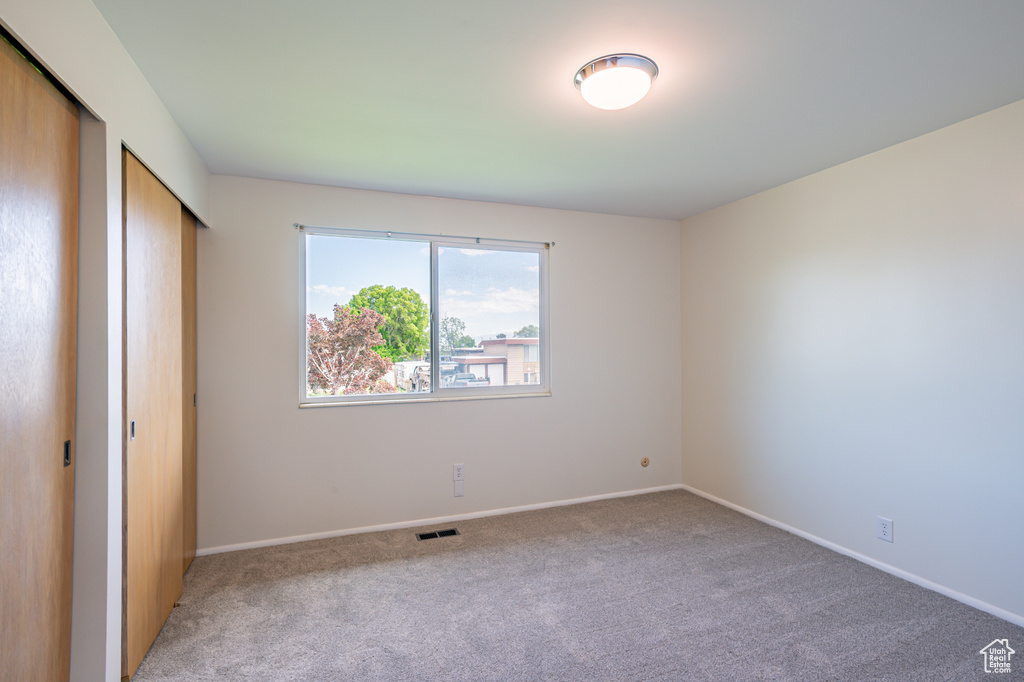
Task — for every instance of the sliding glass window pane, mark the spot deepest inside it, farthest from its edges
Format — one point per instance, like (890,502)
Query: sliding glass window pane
(367,315)
(489,308)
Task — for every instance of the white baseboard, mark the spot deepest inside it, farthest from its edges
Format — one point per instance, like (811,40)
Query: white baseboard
(1014,618)
(428,522)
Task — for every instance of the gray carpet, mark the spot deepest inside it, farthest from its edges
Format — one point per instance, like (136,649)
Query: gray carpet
(665,586)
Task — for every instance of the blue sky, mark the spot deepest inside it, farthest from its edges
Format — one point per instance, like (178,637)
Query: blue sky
(492,291)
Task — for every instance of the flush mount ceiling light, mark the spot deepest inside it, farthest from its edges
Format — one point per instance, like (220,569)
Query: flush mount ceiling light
(616,81)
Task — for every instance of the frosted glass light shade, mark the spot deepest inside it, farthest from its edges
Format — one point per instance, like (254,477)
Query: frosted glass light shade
(616,81)
(615,88)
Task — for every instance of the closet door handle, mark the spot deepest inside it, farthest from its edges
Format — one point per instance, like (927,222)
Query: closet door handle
(133,430)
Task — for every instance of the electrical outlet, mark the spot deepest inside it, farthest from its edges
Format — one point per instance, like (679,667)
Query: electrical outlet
(884,529)
(458,472)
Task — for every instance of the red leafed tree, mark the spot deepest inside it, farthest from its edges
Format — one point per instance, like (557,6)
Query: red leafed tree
(340,357)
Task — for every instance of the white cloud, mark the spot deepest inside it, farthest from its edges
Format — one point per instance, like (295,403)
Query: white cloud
(501,301)
(533,268)
(474,252)
(325,290)
(453,292)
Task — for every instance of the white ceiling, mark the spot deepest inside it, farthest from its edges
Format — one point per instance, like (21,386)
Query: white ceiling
(474,99)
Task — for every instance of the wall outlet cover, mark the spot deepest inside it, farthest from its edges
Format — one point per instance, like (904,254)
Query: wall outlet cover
(884,529)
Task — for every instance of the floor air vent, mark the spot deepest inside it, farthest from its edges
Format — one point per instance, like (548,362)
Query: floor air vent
(437,534)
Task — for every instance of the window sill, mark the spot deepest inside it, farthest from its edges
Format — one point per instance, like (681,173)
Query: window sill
(432,399)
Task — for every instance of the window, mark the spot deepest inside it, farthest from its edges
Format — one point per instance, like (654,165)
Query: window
(400,317)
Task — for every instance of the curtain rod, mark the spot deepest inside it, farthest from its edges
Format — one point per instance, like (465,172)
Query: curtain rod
(389,234)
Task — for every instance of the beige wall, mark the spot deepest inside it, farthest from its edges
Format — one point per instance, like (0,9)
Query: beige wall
(269,470)
(853,346)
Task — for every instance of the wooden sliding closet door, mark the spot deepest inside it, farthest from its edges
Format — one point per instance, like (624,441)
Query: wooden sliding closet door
(38,300)
(188,383)
(153,409)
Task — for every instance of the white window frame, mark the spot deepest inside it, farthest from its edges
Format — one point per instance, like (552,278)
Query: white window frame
(437,393)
